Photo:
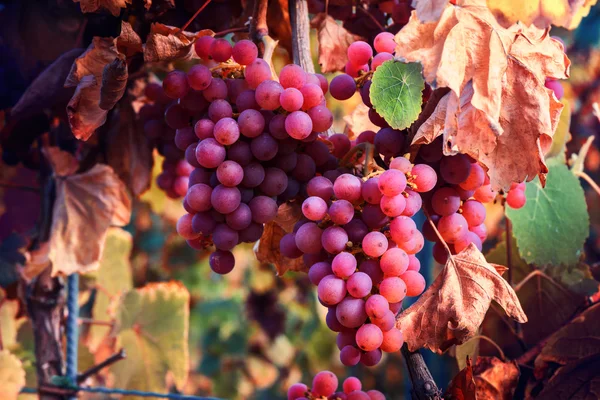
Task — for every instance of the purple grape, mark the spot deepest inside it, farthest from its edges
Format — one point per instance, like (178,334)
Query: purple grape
(318,271)
(240,218)
(210,153)
(308,238)
(264,147)
(264,209)
(225,238)
(334,239)
(351,312)
(219,109)
(203,223)
(225,199)
(240,153)
(254,174)
(274,183)
(251,122)
(252,233)
(305,168)
(222,262)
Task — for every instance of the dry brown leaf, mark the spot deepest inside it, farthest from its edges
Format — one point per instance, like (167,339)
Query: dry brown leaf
(114,6)
(130,151)
(62,162)
(429,10)
(498,111)
(114,82)
(462,386)
(267,250)
(334,40)
(426,129)
(542,13)
(287,215)
(129,42)
(86,206)
(84,112)
(169,43)
(451,310)
(47,88)
(358,122)
(495,379)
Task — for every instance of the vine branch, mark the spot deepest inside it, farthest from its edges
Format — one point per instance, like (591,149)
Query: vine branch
(300,35)
(423,385)
(258,24)
(195,15)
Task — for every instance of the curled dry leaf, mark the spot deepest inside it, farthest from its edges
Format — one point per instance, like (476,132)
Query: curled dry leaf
(451,310)
(334,40)
(84,112)
(114,6)
(86,206)
(358,122)
(495,379)
(498,111)
(129,42)
(267,248)
(168,43)
(114,82)
(462,386)
(62,162)
(47,88)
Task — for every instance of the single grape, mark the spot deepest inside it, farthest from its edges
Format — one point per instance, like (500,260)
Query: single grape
(324,384)
(394,262)
(455,169)
(374,244)
(264,209)
(384,42)
(298,125)
(204,128)
(210,153)
(305,168)
(350,356)
(254,174)
(251,123)
(516,198)
(389,142)
(415,282)
(413,263)
(388,320)
(291,99)
(371,268)
(318,151)
(424,177)
(314,208)
(219,109)
(375,395)
(474,212)
(296,391)
(226,131)
(357,230)
(452,227)
(198,197)
(365,94)
(445,201)
(246,100)
(277,127)
(392,340)
(380,59)
(240,218)
(199,77)
(485,194)
(393,206)
(369,337)
(252,233)
(373,217)
(222,262)
(347,187)
(180,186)
(331,320)
(177,117)
(321,187)
(359,53)
(371,358)
(393,289)
(234,88)
(351,384)
(341,212)
(465,241)
(376,306)
(351,312)
(175,84)
(331,290)
(286,162)
(341,144)
(244,52)
(475,179)
(268,93)
(319,270)
(256,72)
(216,90)
(342,87)
(371,192)
(356,70)
(292,76)
(308,238)
(414,245)
(202,47)
(275,182)
(334,239)
(347,337)
(185,137)
(220,50)
(225,238)
(184,227)
(312,95)
(359,285)
(366,137)
(264,147)
(203,223)
(414,203)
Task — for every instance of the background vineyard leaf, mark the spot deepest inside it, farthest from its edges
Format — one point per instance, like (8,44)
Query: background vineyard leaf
(553,225)
(495,379)
(152,327)
(397,92)
(12,375)
(575,381)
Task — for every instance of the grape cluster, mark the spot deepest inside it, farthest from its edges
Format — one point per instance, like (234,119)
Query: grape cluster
(325,385)
(252,141)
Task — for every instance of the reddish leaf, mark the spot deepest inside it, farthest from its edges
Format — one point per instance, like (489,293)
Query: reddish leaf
(129,42)
(462,386)
(84,112)
(86,206)
(495,379)
(168,43)
(498,108)
(114,82)
(579,380)
(451,310)
(114,6)
(62,162)
(47,88)
(333,43)
(278,22)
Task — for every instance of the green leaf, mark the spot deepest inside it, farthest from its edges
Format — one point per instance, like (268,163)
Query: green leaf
(113,277)
(552,227)
(12,375)
(152,327)
(396,92)
(577,278)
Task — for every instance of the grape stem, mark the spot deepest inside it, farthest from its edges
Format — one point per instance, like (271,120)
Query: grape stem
(423,385)
(589,180)
(300,35)
(120,355)
(232,30)
(195,15)
(372,17)
(439,235)
(258,23)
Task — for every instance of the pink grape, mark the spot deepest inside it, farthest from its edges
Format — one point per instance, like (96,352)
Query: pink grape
(227,131)
(414,203)
(386,322)
(204,128)
(342,87)
(175,84)
(219,109)
(312,95)
(474,212)
(203,45)
(485,194)
(351,384)
(225,199)
(291,99)
(321,118)
(324,384)
(374,244)
(343,265)
(516,198)
(414,245)
(392,340)
(394,262)
(445,201)
(393,206)
(356,70)
(376,306)
(401,164)
(384,42)
(480,231)
(334,239)
(251,123)
(413,263)
(369,337)
(216,90)
(350,355)
(318,271)
(347,187)
(296,390)
(425,178)
(314,208)
(415,283)
(267,94)
(256,72)
(475,179)
(380,59)
(359,53)
(210,153)
(321,187)
(351,312)
(464,242)
(331,290)
(292,76)
(452,227)
(308,238)
(184,227)
(393,289)
(220,50)
(341,212)
(402,229)
(244,52)
(375,395)
(323,82)
(198,197)
(298,125)
(371,192)
(199,77)
(556,87)
(341,144)
(359,285)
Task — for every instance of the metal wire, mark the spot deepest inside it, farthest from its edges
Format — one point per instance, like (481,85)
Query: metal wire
(72,329)
(139,393)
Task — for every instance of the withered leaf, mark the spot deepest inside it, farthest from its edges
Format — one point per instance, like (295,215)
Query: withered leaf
(278,21)
(287,215)
(451,310)
(429,10)
(84,112)
(579,380)
(334,40)
(169,43)
(462,386)
(129,151)
(47,88)
(114,82)
(129,42)
(62,162)
(114,6)
(358,122)
(86,205)
(495,379)
(498,108)
(578,339)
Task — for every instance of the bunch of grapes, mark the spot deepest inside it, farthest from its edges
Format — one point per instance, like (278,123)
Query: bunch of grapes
(252,141)
(325,385)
